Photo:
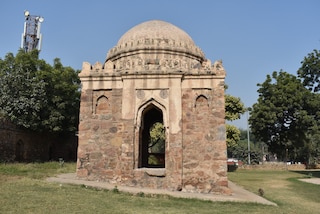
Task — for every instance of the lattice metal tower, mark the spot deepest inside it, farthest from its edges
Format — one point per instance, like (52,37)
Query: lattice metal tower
(31,36)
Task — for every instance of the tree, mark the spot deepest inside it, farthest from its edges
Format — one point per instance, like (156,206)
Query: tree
(240,151)
(37,96)
(234,108)
(22,93)
(233,136)
(62,109)
(157,138)
(309,71)
(283,114)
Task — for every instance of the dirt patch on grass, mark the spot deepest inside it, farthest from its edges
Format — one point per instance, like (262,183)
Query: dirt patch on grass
(5,178)
(274,184)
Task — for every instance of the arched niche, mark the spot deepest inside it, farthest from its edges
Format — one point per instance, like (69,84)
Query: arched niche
(102,105)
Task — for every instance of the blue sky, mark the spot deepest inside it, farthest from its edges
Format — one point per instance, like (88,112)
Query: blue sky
(252,37)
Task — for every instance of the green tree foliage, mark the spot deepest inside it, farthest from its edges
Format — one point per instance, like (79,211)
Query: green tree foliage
(240,149)
(157,138)
(38,96)
(309,71)
(283,115)
(234,108)
(240,152)
(64,97)
(22,93)
(156,144)
(233,136)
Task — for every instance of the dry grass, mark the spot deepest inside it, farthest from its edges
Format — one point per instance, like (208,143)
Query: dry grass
(24,190)
(281,187)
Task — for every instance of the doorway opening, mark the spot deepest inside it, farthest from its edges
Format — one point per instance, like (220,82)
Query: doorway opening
(19,152)
(152,138)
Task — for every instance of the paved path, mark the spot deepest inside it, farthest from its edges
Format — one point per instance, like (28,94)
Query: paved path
(239,194)
(311,180)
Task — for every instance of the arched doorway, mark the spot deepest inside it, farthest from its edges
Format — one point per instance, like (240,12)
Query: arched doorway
(152,138)
(19,152)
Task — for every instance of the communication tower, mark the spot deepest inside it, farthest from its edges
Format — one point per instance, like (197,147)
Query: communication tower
(31,36)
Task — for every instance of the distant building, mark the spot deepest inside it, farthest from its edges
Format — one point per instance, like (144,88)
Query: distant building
(155,74)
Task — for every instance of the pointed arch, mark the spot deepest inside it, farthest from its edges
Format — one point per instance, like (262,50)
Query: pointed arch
(102,105)
(146,155)
(157,104)
(201,101)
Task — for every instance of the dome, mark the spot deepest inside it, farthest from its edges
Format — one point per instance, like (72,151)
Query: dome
(155,29)
(155,35)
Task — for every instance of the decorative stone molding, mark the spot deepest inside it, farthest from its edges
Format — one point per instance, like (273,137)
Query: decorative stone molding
(136,65)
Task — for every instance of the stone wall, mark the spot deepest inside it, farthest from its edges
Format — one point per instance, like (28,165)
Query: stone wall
(25,146)
(274,166)
(111,114)
(103,136)
(204,157)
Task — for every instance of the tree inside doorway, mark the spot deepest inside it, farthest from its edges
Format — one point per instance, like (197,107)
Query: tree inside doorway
(156,145)
(152,139)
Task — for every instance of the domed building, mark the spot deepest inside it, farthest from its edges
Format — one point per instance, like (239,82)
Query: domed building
(153,114)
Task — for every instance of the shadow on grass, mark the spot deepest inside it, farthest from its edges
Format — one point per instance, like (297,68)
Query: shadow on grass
(309,173)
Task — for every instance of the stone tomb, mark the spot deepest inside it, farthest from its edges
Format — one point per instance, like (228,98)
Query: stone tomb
(155,74)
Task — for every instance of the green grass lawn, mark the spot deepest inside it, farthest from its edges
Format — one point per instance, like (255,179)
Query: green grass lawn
(23,189)
(283,188)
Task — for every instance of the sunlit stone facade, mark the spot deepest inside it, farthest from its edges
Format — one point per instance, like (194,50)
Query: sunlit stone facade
(155,73)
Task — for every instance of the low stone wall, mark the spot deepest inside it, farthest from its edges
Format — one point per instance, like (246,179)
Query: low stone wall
(25,146)
(274,166)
